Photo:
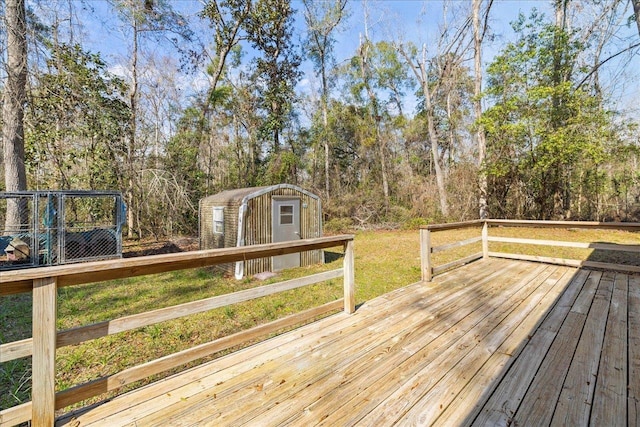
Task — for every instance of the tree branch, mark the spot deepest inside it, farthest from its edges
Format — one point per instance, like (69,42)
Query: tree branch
(601,63)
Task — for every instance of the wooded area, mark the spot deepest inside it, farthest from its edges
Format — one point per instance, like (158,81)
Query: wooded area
(471,118)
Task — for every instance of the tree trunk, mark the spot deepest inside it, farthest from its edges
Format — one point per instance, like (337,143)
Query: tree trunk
(420,70)
(376,118)
(636,11)
(13,110)
(435,151)
(477,109)
(325,124)
(450,131)
(327,154)
(383,167)
(133,103)
(321,22)
(433,136)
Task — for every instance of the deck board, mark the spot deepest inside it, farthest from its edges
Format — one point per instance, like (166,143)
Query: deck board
(575,401)
(408,359)
(611,406)
(475,395)
(432,389)
(538,403)
(633,396)
(352,348)
(506,398)
(497,342)
(362,334)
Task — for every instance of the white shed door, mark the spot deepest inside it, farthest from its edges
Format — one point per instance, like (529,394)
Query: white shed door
(285,226)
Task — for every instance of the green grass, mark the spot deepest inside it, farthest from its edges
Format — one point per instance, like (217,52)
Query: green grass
(384,261)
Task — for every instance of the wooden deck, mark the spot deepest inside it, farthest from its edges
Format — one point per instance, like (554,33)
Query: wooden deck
(496,342)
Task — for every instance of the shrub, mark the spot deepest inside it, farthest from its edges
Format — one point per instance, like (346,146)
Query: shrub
(415,223)
(339,225)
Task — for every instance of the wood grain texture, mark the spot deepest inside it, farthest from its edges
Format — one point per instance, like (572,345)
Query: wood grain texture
(610,408)
(16,350)
(628,226)
(44,352)
(557,243)
(453,264)
(506,398)
(453,245)
(468,403)
(128,376)
(433,390)
(568,262)
(496,342)
(576,399)
(16,414)
(633,396)
(539,402)
(72,274)
(426,266)
(349,278)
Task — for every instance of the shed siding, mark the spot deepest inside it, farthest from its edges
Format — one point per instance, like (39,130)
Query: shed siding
(257,226)
(210,240)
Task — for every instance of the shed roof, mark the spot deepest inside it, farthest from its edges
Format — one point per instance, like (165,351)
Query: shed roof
(239,194)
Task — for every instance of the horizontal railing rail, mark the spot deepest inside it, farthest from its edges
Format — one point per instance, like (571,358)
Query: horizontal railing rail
(427,249)
(582,225)
(44,282)
(628,226)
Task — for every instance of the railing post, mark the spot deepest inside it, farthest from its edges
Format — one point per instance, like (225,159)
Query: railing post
(44,352)
(485,240)
(425,254)
(349,278)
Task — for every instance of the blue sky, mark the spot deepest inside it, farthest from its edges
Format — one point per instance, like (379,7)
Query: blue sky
(412,20)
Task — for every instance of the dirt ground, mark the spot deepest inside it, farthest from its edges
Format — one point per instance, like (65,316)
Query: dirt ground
(153,247)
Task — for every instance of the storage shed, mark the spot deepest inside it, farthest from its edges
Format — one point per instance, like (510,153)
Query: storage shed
(257,215)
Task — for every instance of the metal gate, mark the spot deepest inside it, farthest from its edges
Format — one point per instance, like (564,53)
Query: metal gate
(40,228)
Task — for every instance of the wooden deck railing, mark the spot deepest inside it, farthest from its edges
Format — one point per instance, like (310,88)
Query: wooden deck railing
(44,282)
(426,248)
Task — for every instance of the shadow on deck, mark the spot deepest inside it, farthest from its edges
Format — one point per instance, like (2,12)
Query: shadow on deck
(496,342)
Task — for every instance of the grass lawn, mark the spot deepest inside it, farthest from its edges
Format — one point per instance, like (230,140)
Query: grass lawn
(384,261)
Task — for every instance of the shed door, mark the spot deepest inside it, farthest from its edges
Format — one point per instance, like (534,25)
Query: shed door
(285,226)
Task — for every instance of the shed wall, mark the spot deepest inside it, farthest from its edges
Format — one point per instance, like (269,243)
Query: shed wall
(258,226)
(211,240)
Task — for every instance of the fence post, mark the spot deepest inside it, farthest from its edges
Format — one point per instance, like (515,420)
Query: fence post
(425,254)
(349,278)
(485,240)
(44,352)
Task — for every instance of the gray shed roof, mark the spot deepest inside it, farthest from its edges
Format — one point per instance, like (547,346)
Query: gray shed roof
(240,194)
(235,195)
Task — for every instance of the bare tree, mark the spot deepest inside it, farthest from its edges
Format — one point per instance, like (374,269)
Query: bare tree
(322,19)
(227,19)
(478,36)
(13,108)
(142,18)
(600,29)
(438,75)
(366,75)
(419,68)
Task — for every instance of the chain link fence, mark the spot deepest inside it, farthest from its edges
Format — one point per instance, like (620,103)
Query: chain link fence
(40,228)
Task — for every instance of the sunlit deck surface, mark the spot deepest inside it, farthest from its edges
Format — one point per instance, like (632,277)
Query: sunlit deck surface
(496,342)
